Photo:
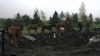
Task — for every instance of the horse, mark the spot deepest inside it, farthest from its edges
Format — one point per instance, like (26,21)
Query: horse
(12,31)
(33,27)
(47,27)
(61,25)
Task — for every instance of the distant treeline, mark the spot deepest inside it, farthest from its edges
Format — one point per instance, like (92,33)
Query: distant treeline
(37,18)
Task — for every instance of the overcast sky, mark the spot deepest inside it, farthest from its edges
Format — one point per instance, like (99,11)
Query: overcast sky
(9,8)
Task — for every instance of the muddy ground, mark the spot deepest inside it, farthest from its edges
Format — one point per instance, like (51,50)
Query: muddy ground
(53,47)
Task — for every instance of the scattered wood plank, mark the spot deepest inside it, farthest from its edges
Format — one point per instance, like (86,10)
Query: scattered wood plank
(29,37)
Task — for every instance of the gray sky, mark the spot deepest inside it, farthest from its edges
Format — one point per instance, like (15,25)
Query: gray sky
(9,8)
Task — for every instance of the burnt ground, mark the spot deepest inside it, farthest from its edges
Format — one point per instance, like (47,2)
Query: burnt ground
(65,44)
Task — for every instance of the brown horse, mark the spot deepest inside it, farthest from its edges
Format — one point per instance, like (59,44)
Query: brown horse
(33,27)
(12,31)
(63,25)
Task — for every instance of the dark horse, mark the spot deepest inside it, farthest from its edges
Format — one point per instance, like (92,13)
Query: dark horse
(12,31)
(47,27)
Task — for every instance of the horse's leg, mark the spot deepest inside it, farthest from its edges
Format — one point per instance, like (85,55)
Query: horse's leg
(9,39)
(50,30)
(58,29)
(36,31)
(7,36)
(42,30)
(28,30)
(15,41)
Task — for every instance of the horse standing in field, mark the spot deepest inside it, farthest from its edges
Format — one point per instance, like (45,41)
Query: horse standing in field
(33,27)
(12,31)
(62,25)
(47,27)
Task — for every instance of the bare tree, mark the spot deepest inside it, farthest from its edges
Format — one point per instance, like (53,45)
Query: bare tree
(43,16)
(82,15)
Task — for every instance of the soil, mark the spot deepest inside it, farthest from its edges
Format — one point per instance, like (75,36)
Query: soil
(54,47)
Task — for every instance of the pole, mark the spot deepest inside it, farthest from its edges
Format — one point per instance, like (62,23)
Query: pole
(2,35)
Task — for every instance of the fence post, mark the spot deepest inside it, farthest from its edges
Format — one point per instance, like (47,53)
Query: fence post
(2,35)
